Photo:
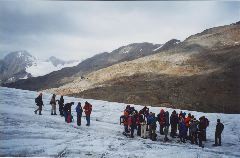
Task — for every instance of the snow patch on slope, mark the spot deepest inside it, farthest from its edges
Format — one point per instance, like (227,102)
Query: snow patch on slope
(157,48)
(125,50)
(40,68)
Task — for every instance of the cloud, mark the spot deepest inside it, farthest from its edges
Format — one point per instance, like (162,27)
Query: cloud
(77,30)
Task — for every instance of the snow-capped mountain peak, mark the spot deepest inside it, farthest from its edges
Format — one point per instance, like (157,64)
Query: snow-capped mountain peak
(22,65)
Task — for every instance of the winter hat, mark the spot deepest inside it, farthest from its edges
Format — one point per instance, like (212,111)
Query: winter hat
(184,114)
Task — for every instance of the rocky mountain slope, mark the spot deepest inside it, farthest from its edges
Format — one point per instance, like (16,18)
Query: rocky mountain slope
(99,61)
(22,65)
(201,73)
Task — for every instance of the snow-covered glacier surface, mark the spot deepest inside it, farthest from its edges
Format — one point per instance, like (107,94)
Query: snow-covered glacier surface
(22,133)
(41,68)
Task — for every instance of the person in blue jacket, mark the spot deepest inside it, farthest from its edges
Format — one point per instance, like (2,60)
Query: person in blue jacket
(182,130)
(79,111)
(152,126)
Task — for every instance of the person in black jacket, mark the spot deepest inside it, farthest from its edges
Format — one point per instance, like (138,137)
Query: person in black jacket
(67,110)
(166,126)
(39,103)
(61,104)
(218,133)
(174,123)
(201,128)
(79,111)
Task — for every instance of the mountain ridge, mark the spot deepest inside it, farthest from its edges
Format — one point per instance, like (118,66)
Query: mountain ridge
(200,73)
(98,61)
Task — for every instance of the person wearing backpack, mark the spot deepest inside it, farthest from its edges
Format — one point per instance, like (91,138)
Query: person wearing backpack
(79,111)
(39,103)
(88,109)
(53,104)
(67,111)
(218,133)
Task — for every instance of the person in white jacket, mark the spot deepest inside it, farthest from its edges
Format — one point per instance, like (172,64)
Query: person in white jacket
(144,129)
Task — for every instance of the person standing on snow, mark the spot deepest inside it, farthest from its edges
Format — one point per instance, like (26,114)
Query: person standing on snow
(166,126)
(201,128)
(79,111)
(53,104)
(218,133)
(187,122)
(182,130)
(193,128)
(139,119)
(88,109)
(174,123)
(61,105)
(39,103)
(132,123)
(143,127)
(161,120)
(67,111)
(206,124)
(152,126)
(125,121)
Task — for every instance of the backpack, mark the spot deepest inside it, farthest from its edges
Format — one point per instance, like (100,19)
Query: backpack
(36,100)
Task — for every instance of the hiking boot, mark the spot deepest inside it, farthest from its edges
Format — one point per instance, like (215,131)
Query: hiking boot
(35,112)
(54,114)
(40,114)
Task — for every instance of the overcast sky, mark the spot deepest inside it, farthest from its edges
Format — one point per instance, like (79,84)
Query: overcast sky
(78,30)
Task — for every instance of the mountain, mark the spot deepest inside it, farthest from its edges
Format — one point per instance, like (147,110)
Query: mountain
(50,136)
(22,65)
(201,73)
(13,66)
(99,61)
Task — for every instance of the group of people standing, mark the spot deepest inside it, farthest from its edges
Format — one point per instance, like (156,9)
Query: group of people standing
(65,110)
(185,127)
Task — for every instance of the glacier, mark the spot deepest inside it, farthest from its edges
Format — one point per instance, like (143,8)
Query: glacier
(25,134)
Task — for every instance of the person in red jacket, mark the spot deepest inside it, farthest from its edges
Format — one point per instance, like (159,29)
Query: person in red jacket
(187,122)
(161,120)
(87,109)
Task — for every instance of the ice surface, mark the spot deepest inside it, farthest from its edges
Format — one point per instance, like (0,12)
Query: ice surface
(25,134)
